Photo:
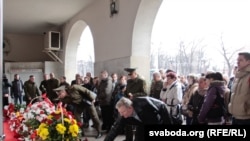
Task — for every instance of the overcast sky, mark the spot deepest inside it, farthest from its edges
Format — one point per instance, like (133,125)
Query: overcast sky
(203,19)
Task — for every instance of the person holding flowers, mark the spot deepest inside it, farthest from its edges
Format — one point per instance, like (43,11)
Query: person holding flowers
(80,98)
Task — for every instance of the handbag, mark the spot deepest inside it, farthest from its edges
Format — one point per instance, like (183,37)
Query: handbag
(177,119)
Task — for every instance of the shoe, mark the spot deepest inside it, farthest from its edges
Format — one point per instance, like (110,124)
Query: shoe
(82,133)
(99,134)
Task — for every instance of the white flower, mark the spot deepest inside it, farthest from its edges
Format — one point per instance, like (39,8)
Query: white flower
(6,107)
(21,110)
(25,128)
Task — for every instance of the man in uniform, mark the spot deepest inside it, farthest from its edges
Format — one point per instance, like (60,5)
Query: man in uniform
(80,98)
(136,87)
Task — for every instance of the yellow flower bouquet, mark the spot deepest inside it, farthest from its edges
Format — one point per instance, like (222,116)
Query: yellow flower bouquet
(59,126)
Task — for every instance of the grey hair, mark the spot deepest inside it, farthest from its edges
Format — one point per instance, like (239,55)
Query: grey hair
(156,73)
(124,102)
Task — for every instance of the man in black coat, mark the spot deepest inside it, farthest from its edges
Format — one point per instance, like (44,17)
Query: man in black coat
(139,111)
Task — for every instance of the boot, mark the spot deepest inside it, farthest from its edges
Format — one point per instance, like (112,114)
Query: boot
(82,133)
(99,135)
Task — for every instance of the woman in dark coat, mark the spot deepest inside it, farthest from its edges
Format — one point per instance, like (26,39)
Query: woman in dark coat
(211,112)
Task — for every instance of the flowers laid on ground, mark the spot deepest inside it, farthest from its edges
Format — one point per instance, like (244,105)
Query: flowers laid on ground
(11,109)
(59,126)
(24,124)
(42,121)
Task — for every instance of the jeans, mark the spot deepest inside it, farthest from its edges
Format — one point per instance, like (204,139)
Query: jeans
(18,98)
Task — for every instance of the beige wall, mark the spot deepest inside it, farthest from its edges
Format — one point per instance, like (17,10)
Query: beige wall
(119,41)
(25,48)
(112,35)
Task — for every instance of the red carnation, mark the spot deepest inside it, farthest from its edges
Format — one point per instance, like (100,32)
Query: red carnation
(39,106)
(49,122)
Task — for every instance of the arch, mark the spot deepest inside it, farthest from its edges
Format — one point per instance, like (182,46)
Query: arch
(141,40)
(70,66)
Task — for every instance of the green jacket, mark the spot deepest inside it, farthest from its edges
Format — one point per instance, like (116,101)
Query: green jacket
(76,94)
(30,89)
(137,87)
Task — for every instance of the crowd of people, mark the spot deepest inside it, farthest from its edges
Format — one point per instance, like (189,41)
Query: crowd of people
(121,104)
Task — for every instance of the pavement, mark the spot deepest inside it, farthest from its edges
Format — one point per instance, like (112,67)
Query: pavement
(90,134)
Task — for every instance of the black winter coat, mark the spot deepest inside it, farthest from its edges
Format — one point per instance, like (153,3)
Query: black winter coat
(150,111)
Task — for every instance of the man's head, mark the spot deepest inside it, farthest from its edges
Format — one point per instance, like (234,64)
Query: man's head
(88,74)
(45,76)
(114,77)
(131,72)
(123,80)
(32,78)
(16,76)
(86,80)
(63,79)
(243,60)
(202,83)
(61,91)
(124,107)
(104,75)
(157,76)
(192,78)
(77,76)
(52,75)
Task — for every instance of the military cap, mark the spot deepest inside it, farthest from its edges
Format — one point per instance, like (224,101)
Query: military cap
(130,70)
(60,88)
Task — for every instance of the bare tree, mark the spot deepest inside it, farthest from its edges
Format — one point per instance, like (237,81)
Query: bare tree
(228,55)
(190,56)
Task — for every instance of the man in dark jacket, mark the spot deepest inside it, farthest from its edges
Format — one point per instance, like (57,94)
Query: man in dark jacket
(43,84)
(17,89)
(52,83)
(31,90)
(139,111)
(76,95)
(104,99)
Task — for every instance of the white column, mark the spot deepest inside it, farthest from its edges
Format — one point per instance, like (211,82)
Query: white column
(1,71)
